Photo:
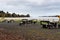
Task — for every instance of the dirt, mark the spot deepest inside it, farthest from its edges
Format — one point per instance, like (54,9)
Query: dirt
(12,31)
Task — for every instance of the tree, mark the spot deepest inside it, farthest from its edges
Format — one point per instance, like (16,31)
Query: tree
(18,15)
(22,15)
(8,14)
(2,14)
(14,15)
(27,15)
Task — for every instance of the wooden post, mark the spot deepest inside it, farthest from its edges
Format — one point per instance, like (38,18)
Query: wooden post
(57,25)
(59,20)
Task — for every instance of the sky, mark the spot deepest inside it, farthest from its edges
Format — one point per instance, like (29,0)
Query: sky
(33,7)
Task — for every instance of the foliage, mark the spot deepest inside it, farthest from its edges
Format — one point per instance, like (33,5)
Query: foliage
(7,14)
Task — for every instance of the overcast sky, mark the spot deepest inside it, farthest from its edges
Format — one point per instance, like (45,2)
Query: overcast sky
(32,7)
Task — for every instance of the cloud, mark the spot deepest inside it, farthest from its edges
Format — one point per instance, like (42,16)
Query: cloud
(42,2)
(17,6)
(33,7)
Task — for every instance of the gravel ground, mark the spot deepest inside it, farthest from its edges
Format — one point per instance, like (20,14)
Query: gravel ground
(12,31)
